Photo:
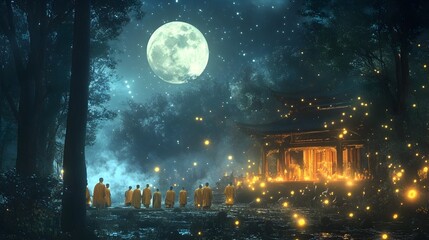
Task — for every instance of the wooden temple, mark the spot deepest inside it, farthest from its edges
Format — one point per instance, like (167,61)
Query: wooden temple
(311,142)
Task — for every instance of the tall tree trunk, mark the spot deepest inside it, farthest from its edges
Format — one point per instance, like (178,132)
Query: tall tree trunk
(73,204)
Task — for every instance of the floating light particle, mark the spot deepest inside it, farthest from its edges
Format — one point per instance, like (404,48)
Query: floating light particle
(237,223)
(384,236)
(207,142)
(301,222)
(412,194)
(156,169)
(395,216)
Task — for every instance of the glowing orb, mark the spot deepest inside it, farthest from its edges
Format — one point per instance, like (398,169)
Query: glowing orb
(177,52)
(384,236)
(301,222)
(156,169)
(412,194)
(237,222)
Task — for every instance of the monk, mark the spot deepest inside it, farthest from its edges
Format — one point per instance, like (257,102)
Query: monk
(107,196)
(128,196)
(156,202)
(229,195)
(169,198)
(198,197)
(88,197)
(99,194)
(207,197)
(136,200)
(147,195)
(183,197)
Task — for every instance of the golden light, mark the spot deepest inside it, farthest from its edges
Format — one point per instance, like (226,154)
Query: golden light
(425,169)
(195,163)
(395,216)
(237,223)
(351,215)
(258,200)
(200,233)
(295,215)
(262,184)
(340,135)
(384,236)
(349,194)
(207,142)
(368,208)
(156,169)
(230,157)
(326,201)
(349,183)
(285,204)
(412,194)
(399,174)
(301,222)
(292,192)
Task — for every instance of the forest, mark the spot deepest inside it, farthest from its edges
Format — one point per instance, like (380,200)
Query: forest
(58,66)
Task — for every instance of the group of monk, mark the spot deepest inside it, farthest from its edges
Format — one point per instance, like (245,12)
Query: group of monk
(101,196)
(203,197)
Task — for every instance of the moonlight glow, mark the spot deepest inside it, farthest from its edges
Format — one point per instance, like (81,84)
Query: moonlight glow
(177,52)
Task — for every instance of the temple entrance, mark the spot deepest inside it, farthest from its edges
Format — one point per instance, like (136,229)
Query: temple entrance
(311,163)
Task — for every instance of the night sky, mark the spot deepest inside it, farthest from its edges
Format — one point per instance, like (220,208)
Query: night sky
(238,33)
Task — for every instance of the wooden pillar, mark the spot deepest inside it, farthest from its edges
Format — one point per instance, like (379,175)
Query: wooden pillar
(282,162)
(339,149)
(287,164)
(262,162)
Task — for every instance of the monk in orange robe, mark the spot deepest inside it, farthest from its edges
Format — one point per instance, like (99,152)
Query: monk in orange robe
(136,200)
(183,197)
(156,201)
(98,200)
(107,196)
(198,197)
(207,197)
(128,196)
(147,195)
(229,195)
(169,198)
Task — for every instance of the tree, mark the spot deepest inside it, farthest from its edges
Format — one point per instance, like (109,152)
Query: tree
(39,32)
(374,41)
(73,205)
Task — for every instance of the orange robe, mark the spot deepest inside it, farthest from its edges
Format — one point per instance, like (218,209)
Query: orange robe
(88,197)
(147,195)
(207,197)
(198,197)
(169,199)
(98,196)
(128,197)
(136,201)
(229,195)
(108,198)
(183,198)
(156,202)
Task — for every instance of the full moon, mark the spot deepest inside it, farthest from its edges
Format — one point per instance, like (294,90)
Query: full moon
(177,52)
